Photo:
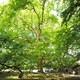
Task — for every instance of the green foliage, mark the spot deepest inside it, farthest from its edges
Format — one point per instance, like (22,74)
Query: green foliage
(19,4)
(32,38)
(72,13)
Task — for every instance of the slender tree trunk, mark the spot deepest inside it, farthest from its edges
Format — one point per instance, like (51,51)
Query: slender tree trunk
(40,64)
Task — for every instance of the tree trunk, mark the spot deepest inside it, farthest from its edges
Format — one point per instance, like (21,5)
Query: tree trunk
(40,64)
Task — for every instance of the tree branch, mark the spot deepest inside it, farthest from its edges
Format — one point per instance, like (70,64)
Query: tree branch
(13,67)
(43,6)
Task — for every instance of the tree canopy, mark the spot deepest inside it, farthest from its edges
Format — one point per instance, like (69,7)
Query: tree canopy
(37,34)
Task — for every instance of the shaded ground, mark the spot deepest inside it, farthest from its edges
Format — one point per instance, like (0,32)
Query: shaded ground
(38,76)
(73,78)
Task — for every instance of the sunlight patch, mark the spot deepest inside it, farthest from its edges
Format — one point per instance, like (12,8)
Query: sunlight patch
(3,2)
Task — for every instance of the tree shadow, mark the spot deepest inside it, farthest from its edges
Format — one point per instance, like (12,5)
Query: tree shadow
(73,78)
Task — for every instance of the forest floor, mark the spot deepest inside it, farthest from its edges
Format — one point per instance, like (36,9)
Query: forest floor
(38,76)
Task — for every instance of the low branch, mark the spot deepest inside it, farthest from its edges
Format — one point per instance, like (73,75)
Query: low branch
(14,68)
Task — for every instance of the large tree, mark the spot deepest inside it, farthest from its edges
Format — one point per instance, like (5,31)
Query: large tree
(27,33)
(31,36)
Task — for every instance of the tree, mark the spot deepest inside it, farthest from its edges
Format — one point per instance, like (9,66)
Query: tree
(26,24)
(71,17)
(32,37)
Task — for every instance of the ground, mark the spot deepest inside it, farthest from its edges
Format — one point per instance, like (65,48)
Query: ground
(39,76)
